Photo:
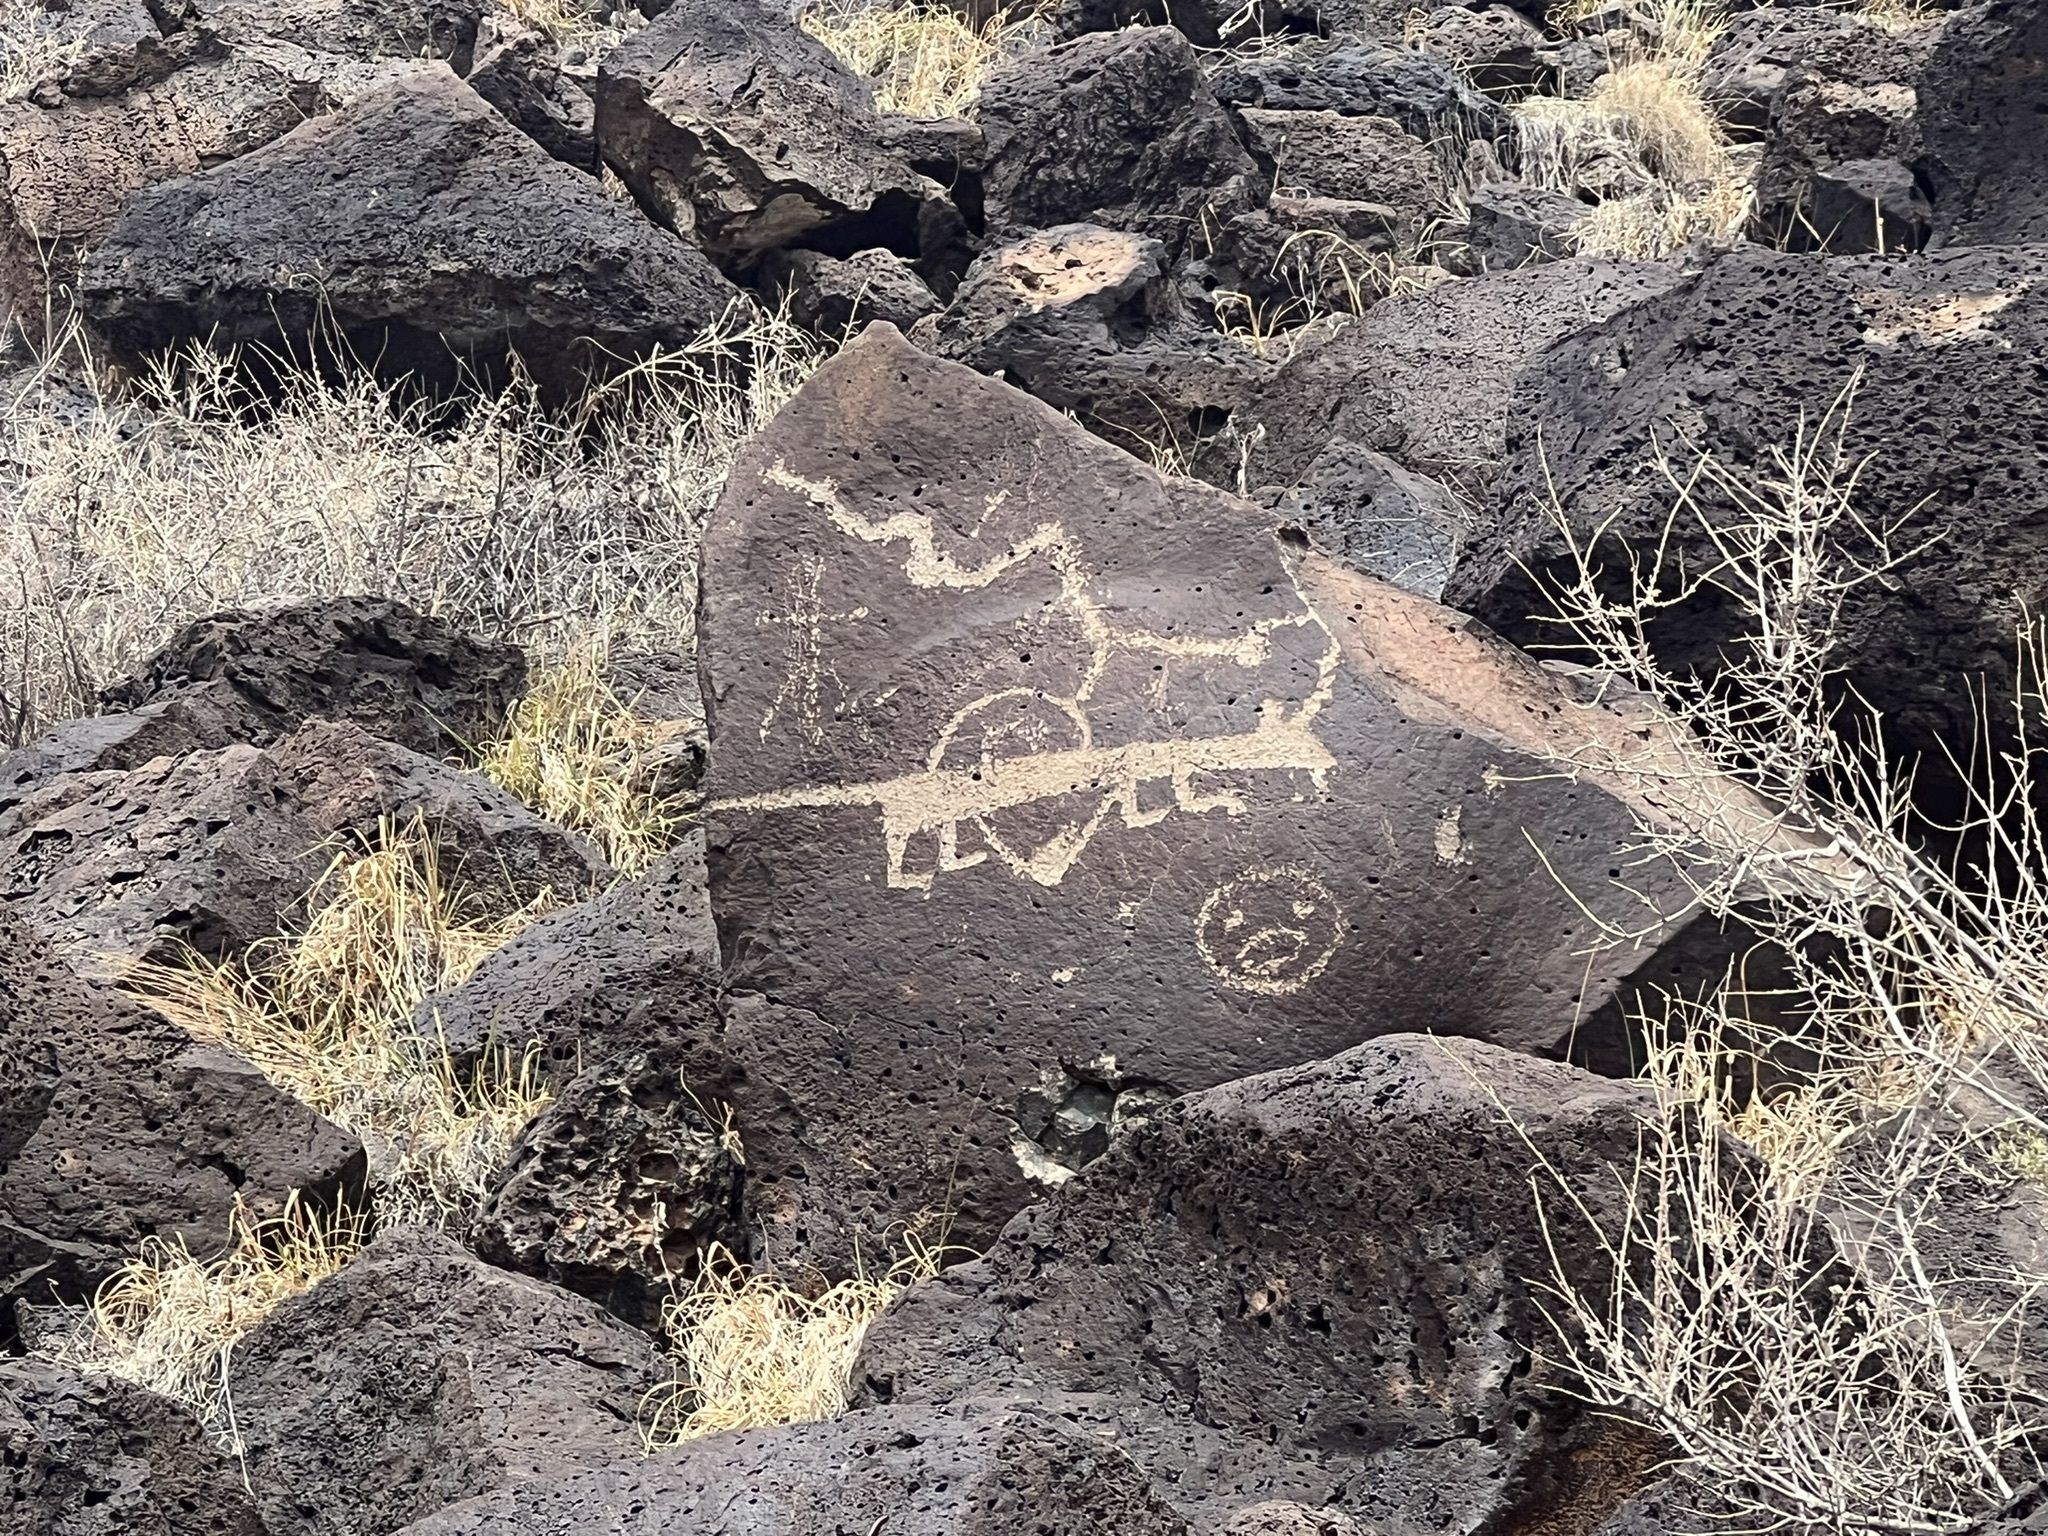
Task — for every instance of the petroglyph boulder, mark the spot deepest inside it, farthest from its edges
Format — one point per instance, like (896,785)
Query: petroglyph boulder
(1043,788)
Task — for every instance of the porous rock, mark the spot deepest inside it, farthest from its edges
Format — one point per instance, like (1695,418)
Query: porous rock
(99,1457)
(1362,78)
(1359,159)
(1741,359)
(218,849)
(1379,382)
(617,1188)
(978,1469)
(1043,786)
(482,243)
(1322,1285)
(1118,129)
(1982,96)
(1495,47)
(116,1125)
(1377,517)
(373,662)
(633,966)
(419,1376)
(544,88)
(745,134)
(1091,321)
(836,297)
(1510,225)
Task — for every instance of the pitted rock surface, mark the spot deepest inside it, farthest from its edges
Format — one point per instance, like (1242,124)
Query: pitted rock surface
(979,1469)
(483,242)
(420,1375)
(1320,1286)
(1024,758)
(400,675)
(1981,99)
(1941,352)
(116,1125)
(218,849)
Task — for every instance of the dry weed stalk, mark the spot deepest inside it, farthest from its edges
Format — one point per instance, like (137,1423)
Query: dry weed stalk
(1878,1395)
(924,57)
(327,1015)
(753,1350)
(120,522)
(35,45)
(169,1321)
(579,755)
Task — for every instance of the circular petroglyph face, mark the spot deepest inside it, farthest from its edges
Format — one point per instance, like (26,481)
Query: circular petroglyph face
(1270,930)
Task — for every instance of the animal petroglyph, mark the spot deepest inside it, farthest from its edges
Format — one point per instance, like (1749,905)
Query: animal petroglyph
(1271,931)
(1017,775)
(809,668)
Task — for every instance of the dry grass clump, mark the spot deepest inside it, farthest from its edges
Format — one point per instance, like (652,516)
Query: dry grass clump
(326,1014)
(924,57)
(122,520)
(1891,1391)
(34,46)
(577,753)
(1644,147)
(169,1321)
(752,1350)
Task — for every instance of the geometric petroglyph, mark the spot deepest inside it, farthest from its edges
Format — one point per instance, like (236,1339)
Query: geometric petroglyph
(1016,775)
(1270,931)
(808,666)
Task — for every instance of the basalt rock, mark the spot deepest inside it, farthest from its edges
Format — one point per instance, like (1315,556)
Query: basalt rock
(1982,96)
(618,1187)
(419,1376)
(545,89)
(1360,78)
(483,243)
(1322,1286)
(1359,159)
(1377,517)
(837,298)
(218,849)
(1379,382)
(115,1125)
(1039,779)
(372,662)
(1511,225)
(1496,48)
(1939,351)
(745,134)
(1116,129)
(99,1457)
(1091,321)
(980,1469)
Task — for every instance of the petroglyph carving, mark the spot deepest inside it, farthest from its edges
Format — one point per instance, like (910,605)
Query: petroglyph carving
(809,667)
(1271,931)
(1017,775)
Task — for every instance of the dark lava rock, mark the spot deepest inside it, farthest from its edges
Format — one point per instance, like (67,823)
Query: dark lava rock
(1042,786)
(418,1376)
(481,242)
(1982,97)
(1498,49)
(1357,159)
(1322,1285)
(370,661)
(1510,225)
(1740,359)
(1118,129)
(1360,78)
(115,1125)
(542,87)
(615,1190)
(98,1457)
(633,966)
(1379,382)
(742,132)
(836,298)
(1377,517)
(979,1469)
(219,849)
(1760,51)
(1091,321)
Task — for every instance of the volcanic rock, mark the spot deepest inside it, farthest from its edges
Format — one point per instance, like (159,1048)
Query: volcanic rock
(1743,358)
(1361,78)
(1042,786)
(116,1125)
(219,849)
(482,242)
(420,1375)
(1377,517)
(1358,159)
(99,1457)
(1981,97)
(1118,129)
(745,134)
(372,662)
(1321,1285)
(1091,321)
(543,88)
(1510,225)
(838,298)
(979,1469)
